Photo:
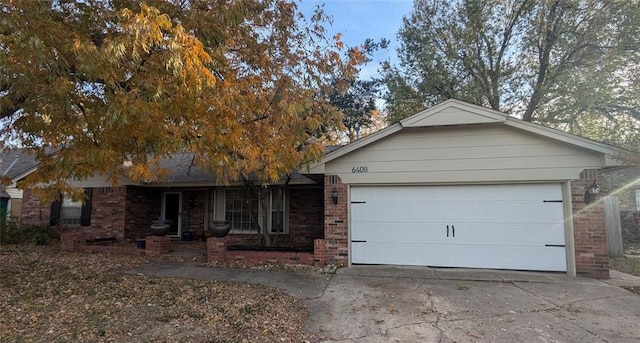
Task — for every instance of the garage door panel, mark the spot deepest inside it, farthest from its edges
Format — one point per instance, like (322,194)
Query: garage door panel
(521,258)
(392,233)
(490,226)
(499,233)
(369,253)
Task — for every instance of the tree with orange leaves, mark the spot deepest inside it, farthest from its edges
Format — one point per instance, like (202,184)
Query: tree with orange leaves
(113,87)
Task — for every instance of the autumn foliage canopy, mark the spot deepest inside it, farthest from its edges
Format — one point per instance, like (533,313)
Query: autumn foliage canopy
(112,87)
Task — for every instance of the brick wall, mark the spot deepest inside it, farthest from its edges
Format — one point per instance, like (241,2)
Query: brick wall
(217,251)
(306,211)
(590,235)
(33,213)
(143,205)
(336,221)
(107,213)
(196,213)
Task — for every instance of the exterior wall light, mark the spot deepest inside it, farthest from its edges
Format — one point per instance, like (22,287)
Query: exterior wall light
(590,194)
(334,195)
(594,188)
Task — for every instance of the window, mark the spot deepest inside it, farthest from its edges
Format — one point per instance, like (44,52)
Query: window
(243,211)
(211,207)
(66,211)
(637,199)
(71,212)
(277,211)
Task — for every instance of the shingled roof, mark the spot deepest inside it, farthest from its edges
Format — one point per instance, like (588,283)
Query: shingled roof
(16,162)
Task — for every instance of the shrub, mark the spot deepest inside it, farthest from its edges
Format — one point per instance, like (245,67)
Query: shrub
(11,232)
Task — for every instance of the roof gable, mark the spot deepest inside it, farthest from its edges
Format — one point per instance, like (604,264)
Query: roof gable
(453,112)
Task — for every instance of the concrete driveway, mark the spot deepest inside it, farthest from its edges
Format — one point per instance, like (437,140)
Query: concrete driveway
(406,304)
(418,304)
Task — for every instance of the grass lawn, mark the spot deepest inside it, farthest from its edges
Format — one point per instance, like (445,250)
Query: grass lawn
(52,296)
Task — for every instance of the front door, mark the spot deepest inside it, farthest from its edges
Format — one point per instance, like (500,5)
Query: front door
(171,210)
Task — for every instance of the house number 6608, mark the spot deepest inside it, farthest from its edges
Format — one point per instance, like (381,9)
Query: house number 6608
(360,169)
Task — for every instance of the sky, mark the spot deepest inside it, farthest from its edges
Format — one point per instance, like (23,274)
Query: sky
(358,20)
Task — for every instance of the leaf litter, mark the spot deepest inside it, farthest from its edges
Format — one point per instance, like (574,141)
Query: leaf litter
(51,296)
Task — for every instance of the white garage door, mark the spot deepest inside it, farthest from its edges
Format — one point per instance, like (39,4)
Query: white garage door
(480,226)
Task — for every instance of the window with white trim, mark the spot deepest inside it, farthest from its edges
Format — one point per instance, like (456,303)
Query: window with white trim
(71,211)
(241,210)
(638,200)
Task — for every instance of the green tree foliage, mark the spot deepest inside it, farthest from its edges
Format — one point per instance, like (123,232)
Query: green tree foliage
(567,64)
(101,82)
(357,104)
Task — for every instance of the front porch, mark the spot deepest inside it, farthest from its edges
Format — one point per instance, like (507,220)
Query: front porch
(213,250)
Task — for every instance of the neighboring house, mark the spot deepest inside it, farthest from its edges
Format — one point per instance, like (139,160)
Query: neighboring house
(456,185)
(625,185)
(14,165)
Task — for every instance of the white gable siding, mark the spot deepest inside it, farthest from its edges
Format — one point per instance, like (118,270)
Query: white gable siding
(453,115)
(459,154)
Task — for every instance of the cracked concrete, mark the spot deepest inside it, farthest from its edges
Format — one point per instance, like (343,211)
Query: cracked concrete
(416,304)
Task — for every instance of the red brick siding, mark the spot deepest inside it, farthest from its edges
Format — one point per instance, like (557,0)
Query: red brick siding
(196,213)
(75,241)
(217,251)
(158,245)
(590,235)
(107,213)
(306,210)
(336,221)
(33,212)
(142,206)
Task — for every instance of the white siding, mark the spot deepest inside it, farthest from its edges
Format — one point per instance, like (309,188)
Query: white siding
(475,153)
(14,192)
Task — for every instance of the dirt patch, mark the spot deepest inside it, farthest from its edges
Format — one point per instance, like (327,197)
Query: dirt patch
(48,295)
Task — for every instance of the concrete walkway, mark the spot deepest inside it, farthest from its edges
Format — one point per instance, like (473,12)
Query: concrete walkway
(417,304)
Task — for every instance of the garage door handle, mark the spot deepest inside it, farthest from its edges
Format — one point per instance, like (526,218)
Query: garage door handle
(453,230)
(358,241)
(555,245)
(447,230)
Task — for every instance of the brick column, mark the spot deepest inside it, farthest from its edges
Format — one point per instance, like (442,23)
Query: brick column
(216,249)
(158,245)
(319,252)
(589,231)
(336,230)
